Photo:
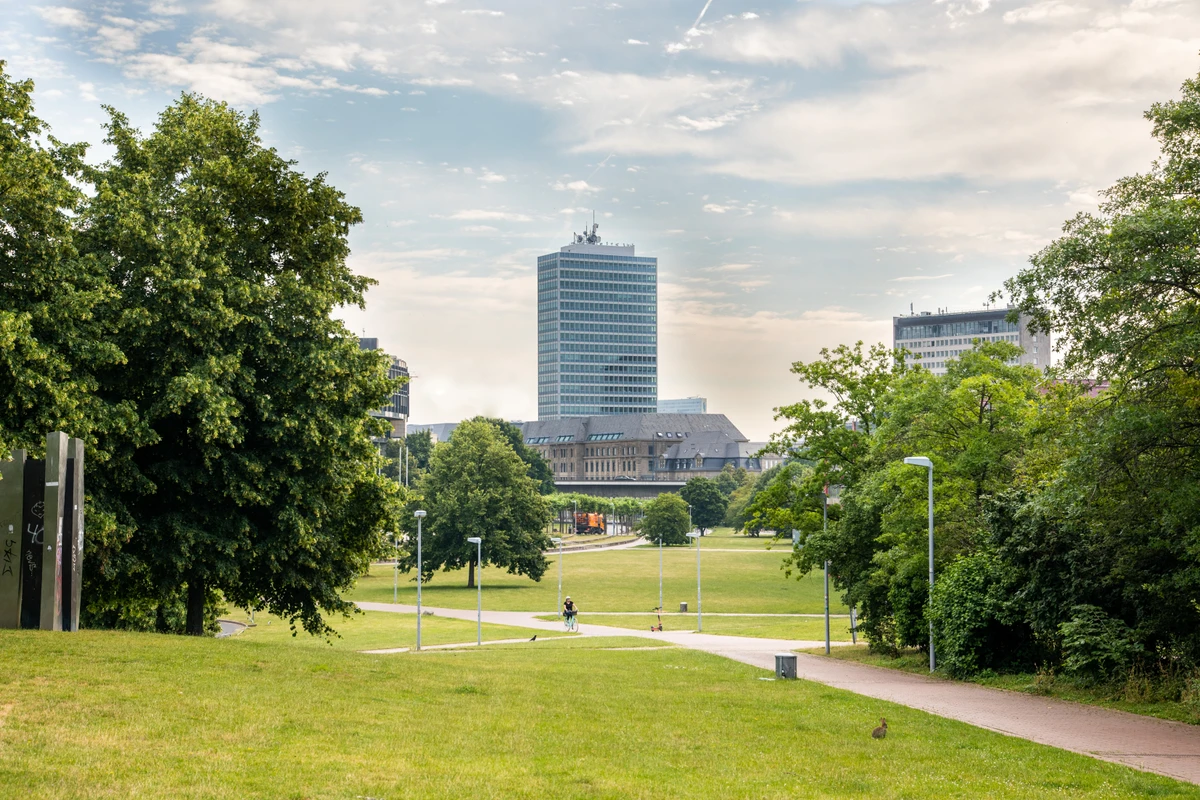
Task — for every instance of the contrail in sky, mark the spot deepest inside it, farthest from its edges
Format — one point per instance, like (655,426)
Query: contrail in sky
(703,11)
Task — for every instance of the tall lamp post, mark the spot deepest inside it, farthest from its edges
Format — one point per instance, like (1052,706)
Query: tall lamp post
(660,605)
(922,461)
(825,529)
(478,542)
(420,515)
(558,541)
(699,616)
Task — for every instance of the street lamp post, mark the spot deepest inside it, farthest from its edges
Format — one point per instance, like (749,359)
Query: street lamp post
(478,542)
(574,514)
(395,569)
(689,516)
(612,530)
(558,541)
(420,515)
(825,529)
(660,605)
(699,615)
(922,461)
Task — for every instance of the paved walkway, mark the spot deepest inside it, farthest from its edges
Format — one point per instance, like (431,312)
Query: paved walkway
(1146,743)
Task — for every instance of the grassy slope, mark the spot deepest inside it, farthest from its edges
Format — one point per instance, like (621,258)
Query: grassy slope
(623,580)
(1121,698)
(764,627)
(376,630)
(100,714)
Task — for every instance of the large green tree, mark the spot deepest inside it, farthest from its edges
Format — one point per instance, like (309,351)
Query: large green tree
(666,520)
(1120,516)
(477,485)
(51,340)
(259,480)
(539,468)
(706,501)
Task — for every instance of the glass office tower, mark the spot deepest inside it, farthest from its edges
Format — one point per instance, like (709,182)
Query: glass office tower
(597,330)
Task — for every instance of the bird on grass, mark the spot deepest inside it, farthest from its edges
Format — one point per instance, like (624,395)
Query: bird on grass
(534,639)
(881,731)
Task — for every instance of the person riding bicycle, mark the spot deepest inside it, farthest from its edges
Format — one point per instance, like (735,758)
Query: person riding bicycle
(569,612)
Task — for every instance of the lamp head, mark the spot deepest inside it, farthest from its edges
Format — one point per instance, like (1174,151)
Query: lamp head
(474,539)
(919,461)
(556,540)
(419,514)
(693,536)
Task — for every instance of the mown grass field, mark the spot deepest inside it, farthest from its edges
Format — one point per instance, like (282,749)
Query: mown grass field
(117,715)
(377,630)
(763,627)
(748,580)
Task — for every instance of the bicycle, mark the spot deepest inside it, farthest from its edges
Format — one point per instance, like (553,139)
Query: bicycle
(569,621)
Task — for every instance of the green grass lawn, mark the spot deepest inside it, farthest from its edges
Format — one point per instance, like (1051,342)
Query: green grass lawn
(1136,696)
(764,627)
(622,580)
(726,538)
(116,715)
(377,630)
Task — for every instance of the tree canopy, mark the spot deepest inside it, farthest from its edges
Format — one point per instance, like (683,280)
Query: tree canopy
(477,485)
(706,501)
(666,520)
(539,468)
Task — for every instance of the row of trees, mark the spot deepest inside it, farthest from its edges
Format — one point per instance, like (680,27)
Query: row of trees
(1067,518)
(173,307)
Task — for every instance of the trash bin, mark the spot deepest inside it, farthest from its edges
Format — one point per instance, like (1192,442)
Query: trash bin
(785,666)
(683,608)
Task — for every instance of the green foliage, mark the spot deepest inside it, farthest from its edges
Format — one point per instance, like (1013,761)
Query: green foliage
(707,502)
(622,506)
(420,448)
(478,486)
(836,436)
(257,477)
(51,337)
(1095,645)
(976,621)
(666,520)
(730,480)
(539,468)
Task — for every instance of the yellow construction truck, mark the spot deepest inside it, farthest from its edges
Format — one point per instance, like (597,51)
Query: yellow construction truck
(588,523)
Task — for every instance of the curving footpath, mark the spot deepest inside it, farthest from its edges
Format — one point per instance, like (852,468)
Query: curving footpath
(1145,743)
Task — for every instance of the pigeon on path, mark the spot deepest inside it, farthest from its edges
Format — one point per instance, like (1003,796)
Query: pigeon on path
(534,639)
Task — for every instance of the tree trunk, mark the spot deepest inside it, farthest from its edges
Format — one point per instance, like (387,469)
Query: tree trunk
(471,574)
(195,608)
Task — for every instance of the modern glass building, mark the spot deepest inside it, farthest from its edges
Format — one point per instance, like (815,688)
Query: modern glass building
(597,330)
(938,338)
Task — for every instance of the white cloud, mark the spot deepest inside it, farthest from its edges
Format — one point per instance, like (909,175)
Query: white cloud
(909,278)
(63,16)
(574,186)
(483,214)
(1052,9)
(635,41)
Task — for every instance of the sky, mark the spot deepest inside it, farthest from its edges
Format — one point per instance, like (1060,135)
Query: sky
(802,170)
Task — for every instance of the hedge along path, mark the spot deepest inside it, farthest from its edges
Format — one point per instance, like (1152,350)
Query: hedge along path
(1145,743)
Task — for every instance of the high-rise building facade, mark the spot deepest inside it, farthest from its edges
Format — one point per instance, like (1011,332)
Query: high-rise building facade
(684,405)
(597,330)
(938,338)
(396,411)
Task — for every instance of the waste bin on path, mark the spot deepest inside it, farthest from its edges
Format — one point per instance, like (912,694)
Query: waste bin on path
(683,608)
(785,666)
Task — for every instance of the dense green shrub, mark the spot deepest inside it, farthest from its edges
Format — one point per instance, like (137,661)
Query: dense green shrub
(1096,646)
(976,623)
